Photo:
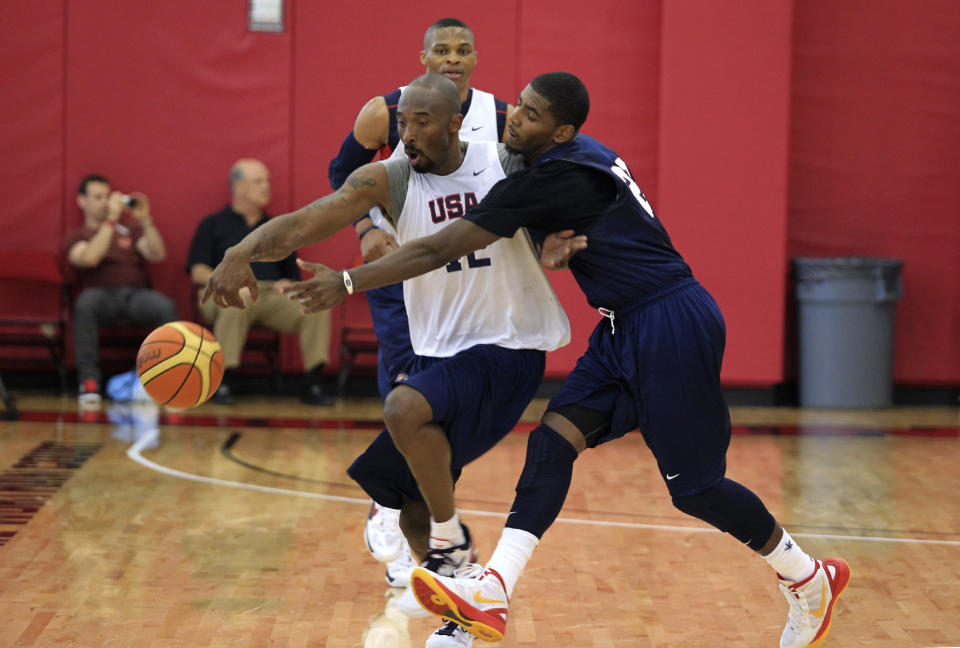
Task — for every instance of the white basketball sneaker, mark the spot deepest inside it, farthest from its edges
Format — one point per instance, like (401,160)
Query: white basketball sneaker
(445,561)
(382,533)
(479,605)
(811,603)
(398,571)
(450,635)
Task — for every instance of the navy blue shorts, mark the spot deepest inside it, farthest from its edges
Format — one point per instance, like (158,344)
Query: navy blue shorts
(477,397)
(660,372)
(393,334)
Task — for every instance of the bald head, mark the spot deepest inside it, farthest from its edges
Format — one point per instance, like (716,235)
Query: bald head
(428,122)
(243,168)
(436,91)
(250,183)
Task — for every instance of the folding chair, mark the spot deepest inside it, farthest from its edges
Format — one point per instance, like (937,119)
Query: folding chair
(33,309)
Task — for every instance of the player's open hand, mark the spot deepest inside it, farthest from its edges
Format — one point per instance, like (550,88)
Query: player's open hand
(559,248)
(225,284)
(325,290)
(376,243)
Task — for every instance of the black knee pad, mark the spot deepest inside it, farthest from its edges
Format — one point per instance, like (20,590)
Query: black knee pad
(733,509)
(543,483)
(591,423)
(546,450)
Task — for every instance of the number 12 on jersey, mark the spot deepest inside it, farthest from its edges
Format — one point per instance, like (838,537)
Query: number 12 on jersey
(620,170)
(472,262)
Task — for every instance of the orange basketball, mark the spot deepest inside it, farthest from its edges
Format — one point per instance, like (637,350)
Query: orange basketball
(180,364)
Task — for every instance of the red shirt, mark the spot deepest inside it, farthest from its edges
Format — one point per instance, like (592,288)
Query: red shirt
(121,266)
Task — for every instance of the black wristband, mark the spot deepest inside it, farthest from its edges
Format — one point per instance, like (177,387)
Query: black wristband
(364,217)
(364,232)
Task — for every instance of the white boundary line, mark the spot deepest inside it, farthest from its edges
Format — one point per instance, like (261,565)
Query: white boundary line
(134,453)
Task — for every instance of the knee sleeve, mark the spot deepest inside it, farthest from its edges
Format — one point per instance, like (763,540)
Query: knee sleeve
(592,424)
(733,509)
(544,482)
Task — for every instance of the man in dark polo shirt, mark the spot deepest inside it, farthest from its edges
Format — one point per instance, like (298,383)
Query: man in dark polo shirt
(250,191)
(110,259)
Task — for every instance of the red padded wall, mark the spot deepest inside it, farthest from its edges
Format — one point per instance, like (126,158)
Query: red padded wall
(31,138)
(31,123)
(875,159)
(723,166)
(162,98)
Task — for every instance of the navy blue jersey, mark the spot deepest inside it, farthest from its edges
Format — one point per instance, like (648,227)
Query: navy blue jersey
(392,100)
(584,186)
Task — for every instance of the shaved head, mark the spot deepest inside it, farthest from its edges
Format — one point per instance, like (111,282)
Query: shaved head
(438,91)
(428,122)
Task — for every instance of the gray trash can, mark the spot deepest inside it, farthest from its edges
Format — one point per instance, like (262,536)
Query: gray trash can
(846,316)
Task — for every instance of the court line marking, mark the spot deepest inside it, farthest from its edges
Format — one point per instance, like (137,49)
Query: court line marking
(134,452)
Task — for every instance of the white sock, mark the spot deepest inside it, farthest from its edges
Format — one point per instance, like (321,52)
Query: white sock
(389,512)
(446,534)
(790,561)
(511,555)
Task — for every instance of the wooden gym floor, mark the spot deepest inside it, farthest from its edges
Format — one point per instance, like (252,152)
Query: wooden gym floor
(238,527)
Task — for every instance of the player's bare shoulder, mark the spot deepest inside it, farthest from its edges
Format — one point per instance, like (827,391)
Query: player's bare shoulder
(368,186)
(511,162)
(369,179)
(372,127)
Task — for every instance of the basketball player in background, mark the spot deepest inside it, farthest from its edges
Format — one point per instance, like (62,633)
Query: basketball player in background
(448,49)
(475,372)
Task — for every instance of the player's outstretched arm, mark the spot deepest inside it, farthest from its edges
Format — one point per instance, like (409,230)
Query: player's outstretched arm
(417,257)
(365,188)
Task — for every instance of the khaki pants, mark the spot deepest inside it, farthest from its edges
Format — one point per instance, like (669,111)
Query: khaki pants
(273,311)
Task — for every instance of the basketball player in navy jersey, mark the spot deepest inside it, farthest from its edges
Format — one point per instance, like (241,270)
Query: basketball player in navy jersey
(653,363)
(448,49)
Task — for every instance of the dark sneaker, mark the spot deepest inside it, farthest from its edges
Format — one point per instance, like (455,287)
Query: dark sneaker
(314,395)
(223,396)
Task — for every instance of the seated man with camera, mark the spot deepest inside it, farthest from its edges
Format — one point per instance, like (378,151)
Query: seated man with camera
(110,259)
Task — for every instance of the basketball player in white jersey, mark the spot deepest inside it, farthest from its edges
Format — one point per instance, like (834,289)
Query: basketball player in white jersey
(475,370)
(448,49)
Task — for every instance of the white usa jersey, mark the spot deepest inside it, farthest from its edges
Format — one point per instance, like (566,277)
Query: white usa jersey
(498,295)
(479,125)
(480,122)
